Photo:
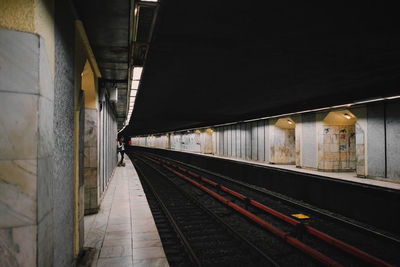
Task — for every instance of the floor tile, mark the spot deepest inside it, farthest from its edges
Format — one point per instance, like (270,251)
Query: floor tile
(148,253)
(119,227)
(145,236)
(144,228)
(146,244)
(159,262)
(116,251)
(117,235)
(117,242)
(115,262)
(124,228)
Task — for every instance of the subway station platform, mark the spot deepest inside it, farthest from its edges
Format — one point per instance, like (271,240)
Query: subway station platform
(345,176)
(123,231)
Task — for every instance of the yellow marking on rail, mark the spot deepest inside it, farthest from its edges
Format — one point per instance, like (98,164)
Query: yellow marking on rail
(300,216)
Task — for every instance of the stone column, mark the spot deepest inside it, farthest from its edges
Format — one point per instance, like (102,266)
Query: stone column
(26,151)
(91,160)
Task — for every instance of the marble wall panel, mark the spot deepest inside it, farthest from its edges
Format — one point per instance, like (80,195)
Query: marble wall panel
(45,128)
(360,151)
(229,142)
(248,141)
(93,157)
(18,193)
(234,140)
(46,88)
(393,137)
(225,145)
(309,140)
(26,149)
(86,156)
(238,140)
(266,141)
(90,176)
(18,125)
(242,141)
(261,140)
(91,127)
(91,160)
(254,140)
(19,58)
(16,247)
(376,140)
(45,241)
(45,186)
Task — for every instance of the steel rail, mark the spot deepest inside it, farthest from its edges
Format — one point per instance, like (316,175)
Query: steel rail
(279,233)
(171,219)
(229,228)
(291,202)
(370,259)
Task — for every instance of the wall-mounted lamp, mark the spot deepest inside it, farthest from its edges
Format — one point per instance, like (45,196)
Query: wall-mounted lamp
(347,116)
(290,122)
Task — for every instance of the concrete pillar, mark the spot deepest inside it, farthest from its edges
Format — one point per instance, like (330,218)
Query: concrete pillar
(225,144)
(26,151)
(361,137)
(254,140)
(243,141)
(234,140)
(260,140)
(229,141)
(309,141)
(376,140)
(238,140)
(266,141)
(393,139)
(248,142)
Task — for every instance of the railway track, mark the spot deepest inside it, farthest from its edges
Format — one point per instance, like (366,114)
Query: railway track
(201,238)
(321,245)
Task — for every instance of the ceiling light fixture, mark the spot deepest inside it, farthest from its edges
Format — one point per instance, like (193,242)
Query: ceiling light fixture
(133,92)
(135,85)
(347,116)
(137,72)
(289,121)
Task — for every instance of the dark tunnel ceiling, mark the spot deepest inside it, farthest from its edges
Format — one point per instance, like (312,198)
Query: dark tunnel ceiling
(221,61)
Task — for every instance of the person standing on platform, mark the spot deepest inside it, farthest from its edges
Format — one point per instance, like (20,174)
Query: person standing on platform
(121,150)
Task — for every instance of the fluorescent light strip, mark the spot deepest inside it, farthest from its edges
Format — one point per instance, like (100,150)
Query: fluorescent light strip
(137,73)
(135,85)
(321,109)
(288,114)
(133,92)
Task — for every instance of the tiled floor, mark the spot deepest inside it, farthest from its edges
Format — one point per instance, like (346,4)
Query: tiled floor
(124,232)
